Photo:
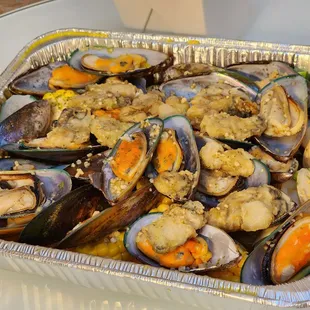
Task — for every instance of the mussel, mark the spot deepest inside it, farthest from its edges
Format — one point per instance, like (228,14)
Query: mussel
(48,78)
(239,210)
(15,128)
(24,194)
(124,62)
(13,104)
(54,222)
(263,72)
(280,172)
(112,219)
(225,170)
(191,86)
(283,104)
(176,160)
(281,256)
(20,164)
(128,160)
(211,248)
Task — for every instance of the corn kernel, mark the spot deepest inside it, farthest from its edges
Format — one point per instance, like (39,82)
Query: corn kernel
(102,250)
(139,185)
(117,257)
(154,210)
(126,256)
(166,201)
(162,207)
(121,247)
(113,249)
(121,236)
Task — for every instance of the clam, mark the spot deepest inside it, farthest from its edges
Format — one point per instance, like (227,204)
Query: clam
(191,86)
(176,160)
(220,249)
(284,105)
(47,78)
(128,160)
(112,219)
(30,122)
(280,172)
(125,62)
(263,72)
(281,256)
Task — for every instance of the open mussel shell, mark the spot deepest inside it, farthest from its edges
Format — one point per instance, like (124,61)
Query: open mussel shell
(29,122)
(284,148)
(218,186)
(49,186)
(53,223)
(187,142)
(225,185)
(191,86)
(147,135)
(156,61)
(264,266)
(280,172)
(55,184)
(88,166)
(261,70)
(52,155)
(115,218)
(35,82)
(223,248)
(189,69)
(19,164)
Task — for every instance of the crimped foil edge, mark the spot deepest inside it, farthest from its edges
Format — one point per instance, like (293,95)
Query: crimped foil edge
(264,295)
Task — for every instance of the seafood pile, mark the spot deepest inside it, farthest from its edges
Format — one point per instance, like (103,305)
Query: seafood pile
(201,169)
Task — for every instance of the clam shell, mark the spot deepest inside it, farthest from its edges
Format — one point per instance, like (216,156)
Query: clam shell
(283,148)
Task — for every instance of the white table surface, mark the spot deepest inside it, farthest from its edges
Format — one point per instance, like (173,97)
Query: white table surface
(275,21)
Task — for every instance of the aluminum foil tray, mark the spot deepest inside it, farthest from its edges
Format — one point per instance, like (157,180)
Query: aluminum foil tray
(130,278)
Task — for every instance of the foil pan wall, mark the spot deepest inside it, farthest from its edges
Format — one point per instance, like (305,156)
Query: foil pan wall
(129,277)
